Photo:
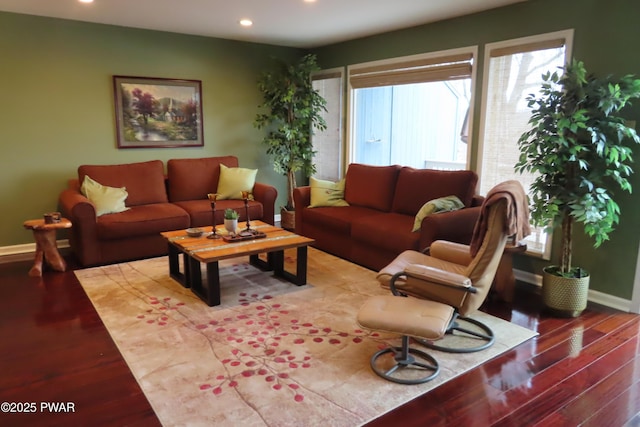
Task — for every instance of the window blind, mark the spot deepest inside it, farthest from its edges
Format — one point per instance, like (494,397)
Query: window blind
(528,47)
(451,67)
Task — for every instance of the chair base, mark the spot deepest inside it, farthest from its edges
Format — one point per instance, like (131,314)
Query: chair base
(466,329)
(409,364)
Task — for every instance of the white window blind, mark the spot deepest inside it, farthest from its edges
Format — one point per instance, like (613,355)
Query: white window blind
(327,144)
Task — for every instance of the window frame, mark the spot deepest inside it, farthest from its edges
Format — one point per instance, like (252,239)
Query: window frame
(512,45)
(350,146)
(327,74)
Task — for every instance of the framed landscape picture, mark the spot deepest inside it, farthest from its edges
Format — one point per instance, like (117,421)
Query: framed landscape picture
(153,112)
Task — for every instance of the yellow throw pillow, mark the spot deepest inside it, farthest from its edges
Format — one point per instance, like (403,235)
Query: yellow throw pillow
(326,193)
(105,199)
(443,204)
(233,181)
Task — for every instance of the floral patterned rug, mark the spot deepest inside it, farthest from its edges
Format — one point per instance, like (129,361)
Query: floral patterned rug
(272,354)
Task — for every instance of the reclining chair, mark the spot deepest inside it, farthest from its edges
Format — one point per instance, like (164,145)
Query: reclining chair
(442,288)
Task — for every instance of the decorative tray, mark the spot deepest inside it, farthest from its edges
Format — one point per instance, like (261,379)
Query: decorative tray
(244,235)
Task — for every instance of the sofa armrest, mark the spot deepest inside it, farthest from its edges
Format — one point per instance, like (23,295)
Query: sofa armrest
(477,200)
(266,195)
(82,214)
(455,226)
(301,199)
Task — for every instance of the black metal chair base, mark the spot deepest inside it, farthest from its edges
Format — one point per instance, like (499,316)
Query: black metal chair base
(480,337)
(410,365)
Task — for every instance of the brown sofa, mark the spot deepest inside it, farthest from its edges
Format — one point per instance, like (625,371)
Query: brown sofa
(383,201)
(156,202)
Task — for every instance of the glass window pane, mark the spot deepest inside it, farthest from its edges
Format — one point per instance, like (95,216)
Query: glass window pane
(419,125)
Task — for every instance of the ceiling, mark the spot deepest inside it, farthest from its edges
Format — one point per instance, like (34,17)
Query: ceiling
(293,23)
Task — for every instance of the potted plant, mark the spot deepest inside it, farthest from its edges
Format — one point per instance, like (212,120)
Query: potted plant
(293,111)
(577,148)
(231,220)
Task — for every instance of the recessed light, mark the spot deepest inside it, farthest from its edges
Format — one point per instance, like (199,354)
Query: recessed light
(246,22)
(85,1)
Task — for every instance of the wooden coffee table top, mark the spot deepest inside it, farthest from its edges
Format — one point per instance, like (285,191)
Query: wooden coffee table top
(210,250)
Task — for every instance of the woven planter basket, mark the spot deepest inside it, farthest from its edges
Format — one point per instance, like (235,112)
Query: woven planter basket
(566,297)
(287,219)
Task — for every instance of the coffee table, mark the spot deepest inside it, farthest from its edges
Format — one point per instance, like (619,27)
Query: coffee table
(197,250)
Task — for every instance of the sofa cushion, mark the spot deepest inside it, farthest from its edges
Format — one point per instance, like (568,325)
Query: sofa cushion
(200,211)
(144,181)
(193,179)
(416,187)
(371,186)
(105,199)
(336,219)
(141,221)
(234,181)
(326,193)
(387,231)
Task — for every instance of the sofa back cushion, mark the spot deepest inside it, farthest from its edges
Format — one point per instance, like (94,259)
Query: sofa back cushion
(371,186)
(193,179)
(416,187)
(144,181)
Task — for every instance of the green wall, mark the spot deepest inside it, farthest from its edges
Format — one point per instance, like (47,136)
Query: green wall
(57,111)
(605,31)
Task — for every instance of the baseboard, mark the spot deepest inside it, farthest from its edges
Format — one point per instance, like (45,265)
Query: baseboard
(24,252)
(593,296)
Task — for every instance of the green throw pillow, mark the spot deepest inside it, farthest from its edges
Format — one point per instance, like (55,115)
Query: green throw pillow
(326,193)
(443,204)
(233,181)
(105,199)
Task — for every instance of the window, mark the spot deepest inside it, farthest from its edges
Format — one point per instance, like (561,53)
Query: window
(328,143)
(412,111)
(513,70)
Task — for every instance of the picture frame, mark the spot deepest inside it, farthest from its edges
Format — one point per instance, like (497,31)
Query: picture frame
(154,112)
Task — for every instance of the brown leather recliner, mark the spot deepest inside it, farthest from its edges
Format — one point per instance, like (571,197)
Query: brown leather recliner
(449,284)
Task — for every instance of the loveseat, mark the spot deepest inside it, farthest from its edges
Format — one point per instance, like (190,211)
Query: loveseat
(152,202)
(380,203)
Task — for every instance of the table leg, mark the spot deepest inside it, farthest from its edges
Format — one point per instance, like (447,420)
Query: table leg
(209,290)
(36,270)
(277,259)
(301,266)
(300,278)
(213,284)
(174,266)
(47,251)
(261,264)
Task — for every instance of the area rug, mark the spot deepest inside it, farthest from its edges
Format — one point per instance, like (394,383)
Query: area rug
(272,354)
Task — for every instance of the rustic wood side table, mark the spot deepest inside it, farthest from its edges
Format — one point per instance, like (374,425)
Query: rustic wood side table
(46,248)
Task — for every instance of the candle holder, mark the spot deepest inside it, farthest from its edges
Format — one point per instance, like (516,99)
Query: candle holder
(245,196)
(212,198)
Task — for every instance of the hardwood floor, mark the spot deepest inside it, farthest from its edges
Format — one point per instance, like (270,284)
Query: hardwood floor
(583,371)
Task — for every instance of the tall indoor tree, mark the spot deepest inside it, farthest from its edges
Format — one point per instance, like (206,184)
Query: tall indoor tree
(293,110)
(578,146)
